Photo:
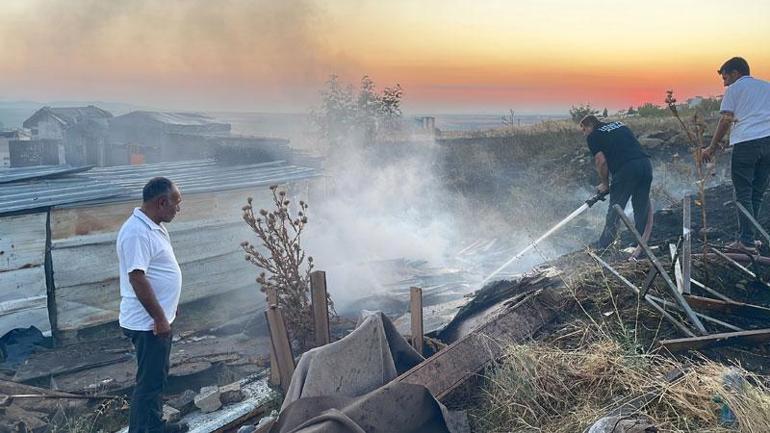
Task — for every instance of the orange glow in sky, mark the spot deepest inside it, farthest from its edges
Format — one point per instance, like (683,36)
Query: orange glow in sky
(449,56)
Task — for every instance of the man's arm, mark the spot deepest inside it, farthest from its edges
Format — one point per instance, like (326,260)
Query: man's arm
(148,300)
(724,125)
(603,171)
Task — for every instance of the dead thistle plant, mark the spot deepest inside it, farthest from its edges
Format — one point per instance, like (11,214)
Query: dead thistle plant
(285,268)
(695,136)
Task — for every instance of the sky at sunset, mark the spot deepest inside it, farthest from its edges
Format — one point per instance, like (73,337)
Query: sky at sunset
(449,55)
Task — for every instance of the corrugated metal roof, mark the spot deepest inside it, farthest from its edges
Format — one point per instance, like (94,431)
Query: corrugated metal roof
(38,172)
(181,119)
(120,183)
(39,194)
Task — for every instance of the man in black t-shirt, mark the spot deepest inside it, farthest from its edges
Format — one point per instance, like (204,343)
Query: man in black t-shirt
(618,155)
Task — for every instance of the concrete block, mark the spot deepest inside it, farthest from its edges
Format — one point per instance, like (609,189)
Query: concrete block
(231,393)
(184,403)
(170,414)
(208,399)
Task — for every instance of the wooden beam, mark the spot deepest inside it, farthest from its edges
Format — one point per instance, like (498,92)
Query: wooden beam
(707,289)
(686,258)
(320,308)
(739,309)
(279,341)
(758,336)
(649,279)
(649,299)
(737,265)
(415,311)
(463,359)
(275,376)
(677,268)
(678,296)
(705,318)
(754,221)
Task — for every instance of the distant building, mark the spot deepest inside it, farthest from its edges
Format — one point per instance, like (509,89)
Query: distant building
(694,102)
(150,137)
(6,137)
(63,135)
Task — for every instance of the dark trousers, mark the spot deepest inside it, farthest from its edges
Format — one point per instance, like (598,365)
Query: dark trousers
(750,173)
(152,359)
(631,181)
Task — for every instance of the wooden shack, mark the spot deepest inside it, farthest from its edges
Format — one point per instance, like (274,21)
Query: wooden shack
(58,264)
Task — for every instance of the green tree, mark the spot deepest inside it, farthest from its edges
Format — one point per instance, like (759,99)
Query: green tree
(651,110)
(605,113)
(577,113)
(344,115)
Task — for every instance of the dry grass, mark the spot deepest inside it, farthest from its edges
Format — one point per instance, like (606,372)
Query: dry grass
(542,388)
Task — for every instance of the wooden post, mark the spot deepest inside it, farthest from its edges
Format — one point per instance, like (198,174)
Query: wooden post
(275,376)
(686,245)
(648,252)
(677,268)
(320,308)
(279,341)
(415,310)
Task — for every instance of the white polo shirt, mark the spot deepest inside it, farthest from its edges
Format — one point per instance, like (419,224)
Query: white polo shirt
(749,100)
(146,246)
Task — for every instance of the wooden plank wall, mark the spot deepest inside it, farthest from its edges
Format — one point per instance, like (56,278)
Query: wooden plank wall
(22,275)
(206,237)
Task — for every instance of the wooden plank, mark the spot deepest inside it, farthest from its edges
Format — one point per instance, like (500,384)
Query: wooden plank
(275,376)
(710,290)
(320,308)
(456,363)
(677,268)
(648,298)
(93,258)
(705,318)
(279,341)
(415,311)
(647,251)
(108,218)
(86,304)
(758,336)
(22,241)
(686,245)
(737,265)
(754,222)
(739,309)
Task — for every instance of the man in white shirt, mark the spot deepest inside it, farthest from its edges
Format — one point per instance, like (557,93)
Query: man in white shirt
(150,286)
(745,107)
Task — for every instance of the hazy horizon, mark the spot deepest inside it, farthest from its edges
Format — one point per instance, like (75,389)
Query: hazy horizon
(450,57)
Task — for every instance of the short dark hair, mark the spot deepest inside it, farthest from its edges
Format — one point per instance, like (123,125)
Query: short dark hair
(157,186)
(738,64)
(590,120)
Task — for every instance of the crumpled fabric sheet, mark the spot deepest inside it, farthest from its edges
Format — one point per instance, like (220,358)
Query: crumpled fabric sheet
(346,387)
(394,408)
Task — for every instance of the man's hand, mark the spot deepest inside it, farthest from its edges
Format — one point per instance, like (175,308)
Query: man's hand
(707,153)
(161,328)
(602,188)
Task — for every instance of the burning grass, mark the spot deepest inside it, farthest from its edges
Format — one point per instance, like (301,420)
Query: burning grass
(544,388)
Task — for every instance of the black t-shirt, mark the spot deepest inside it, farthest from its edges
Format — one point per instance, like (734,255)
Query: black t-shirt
(618,144)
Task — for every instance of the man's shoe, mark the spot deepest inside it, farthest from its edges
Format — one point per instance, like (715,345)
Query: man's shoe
(740,247)
(175,427)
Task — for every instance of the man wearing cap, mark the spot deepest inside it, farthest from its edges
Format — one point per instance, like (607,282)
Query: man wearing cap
(746,108)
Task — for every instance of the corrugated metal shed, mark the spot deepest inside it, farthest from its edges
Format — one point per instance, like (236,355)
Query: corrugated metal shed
(35,195)
(202,176)
(38,172)
(119,183)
